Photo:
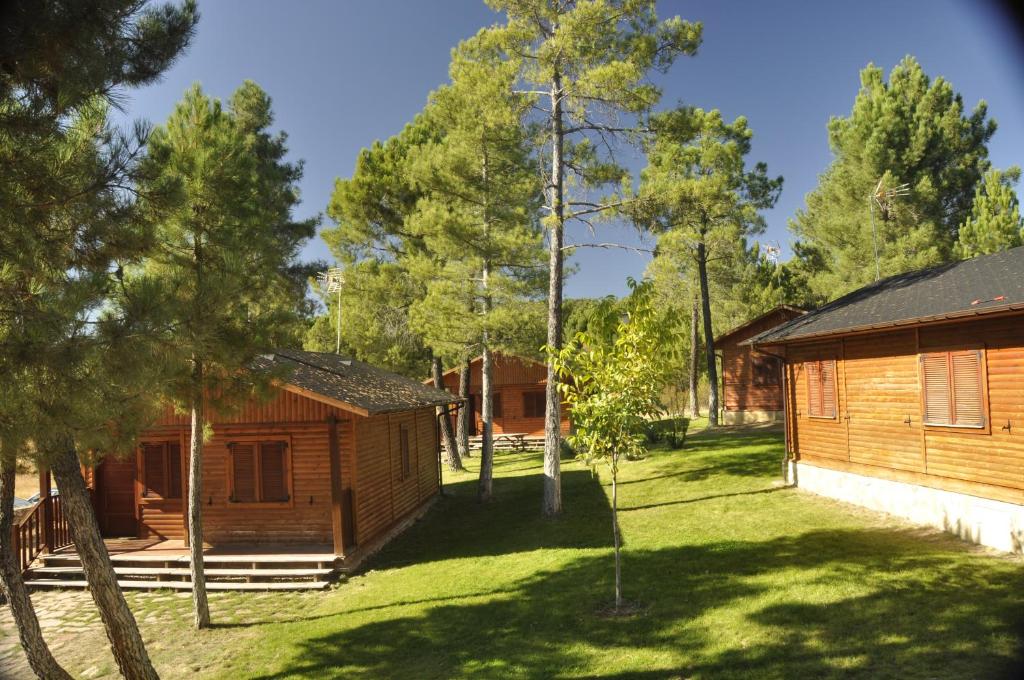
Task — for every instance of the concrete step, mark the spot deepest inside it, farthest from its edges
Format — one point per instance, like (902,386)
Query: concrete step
(33,572)
(185,585)
(311,560)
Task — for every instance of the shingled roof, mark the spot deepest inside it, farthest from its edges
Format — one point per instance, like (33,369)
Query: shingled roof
(967,289)
(351,384)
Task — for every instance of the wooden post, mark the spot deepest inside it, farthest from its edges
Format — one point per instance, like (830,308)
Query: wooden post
(337,520)
(46,509)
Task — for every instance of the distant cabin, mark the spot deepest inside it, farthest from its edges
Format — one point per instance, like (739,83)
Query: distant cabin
(752,380)
(907,396)
(519,389)
(340,456)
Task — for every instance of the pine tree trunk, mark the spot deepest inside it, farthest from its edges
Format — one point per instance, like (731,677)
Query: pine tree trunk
(200,605)
(694,357)
(617,537)
(485,484)
(453,459)
(13,586)
(121,628)
(462,418)
(552,410)
(709,338)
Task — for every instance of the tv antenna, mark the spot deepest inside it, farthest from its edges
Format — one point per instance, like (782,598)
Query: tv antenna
(883,197)
(331,281)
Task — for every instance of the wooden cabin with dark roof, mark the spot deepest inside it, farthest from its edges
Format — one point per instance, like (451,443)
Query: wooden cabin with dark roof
(907,396)
(752,380)
(339,459)
(518,401)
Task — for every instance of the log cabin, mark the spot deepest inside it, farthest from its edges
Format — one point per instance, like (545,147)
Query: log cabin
(751,380)
(340,455)
(519,388)
(907,396)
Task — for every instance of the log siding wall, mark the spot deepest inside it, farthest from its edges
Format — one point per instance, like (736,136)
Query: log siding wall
(880,428)
(369,457)
(739,393)
(512,378)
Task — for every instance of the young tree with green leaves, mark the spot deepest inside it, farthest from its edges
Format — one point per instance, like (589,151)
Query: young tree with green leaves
(699,194)
(614,390)
(995,222)
(65,224)
(910,130)
(220,195)
(482,252)
(587,64)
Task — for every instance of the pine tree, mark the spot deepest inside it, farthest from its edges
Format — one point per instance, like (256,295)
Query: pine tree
(220,196)
(482,252)
(697,191)
(995,222)
(65,224)
(587,65)
(910,130)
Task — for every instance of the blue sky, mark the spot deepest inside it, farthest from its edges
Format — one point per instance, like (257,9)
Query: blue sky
(344,73)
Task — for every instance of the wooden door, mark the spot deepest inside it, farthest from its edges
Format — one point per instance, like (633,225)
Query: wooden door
(116,497)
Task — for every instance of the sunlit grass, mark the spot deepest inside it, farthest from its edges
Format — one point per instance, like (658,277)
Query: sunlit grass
(736,577)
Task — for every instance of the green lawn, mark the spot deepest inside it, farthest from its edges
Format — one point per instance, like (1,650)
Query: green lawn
(736,576)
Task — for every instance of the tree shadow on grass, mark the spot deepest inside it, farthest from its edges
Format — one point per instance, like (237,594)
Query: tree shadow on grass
(458,526)
(916,608)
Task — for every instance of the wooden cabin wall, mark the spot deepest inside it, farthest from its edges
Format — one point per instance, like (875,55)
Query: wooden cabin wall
(382,495)
(739,393)
(512,378)
(305,518)
(879,390)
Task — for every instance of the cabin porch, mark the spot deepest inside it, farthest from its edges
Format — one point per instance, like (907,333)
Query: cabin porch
(154,563)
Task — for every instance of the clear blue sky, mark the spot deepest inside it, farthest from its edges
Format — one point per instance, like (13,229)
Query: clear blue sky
(344,73)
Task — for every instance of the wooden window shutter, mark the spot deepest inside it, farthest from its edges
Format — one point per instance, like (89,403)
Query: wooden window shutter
(273,468)
(153,468)
(243,473)
(968,405)
(937,395)
(173,470)
(828,389)
(814,397)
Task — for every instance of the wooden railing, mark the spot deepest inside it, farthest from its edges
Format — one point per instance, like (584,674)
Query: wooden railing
(43,529)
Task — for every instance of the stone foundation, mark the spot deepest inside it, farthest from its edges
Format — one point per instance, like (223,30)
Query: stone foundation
(752,417)
(995,524)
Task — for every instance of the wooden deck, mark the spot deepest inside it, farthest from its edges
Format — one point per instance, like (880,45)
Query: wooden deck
(151,564)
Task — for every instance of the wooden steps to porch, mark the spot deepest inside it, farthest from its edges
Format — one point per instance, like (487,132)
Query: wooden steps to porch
(138,570)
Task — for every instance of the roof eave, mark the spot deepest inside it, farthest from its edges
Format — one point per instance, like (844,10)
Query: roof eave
(916,321)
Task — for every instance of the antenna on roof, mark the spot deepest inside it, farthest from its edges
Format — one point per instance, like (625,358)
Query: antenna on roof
(772,253)
(331,281)
(883,198)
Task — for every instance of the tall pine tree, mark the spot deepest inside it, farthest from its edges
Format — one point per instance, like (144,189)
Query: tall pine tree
(65,224)
(995,222)
(223,271)
(910,130)
(587,64)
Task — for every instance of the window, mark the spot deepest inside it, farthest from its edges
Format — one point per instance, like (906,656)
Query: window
(403,438)
(821,388)
(533,404)
(259,472)
(764,370)
(496,405)
(953,389)
(161,470)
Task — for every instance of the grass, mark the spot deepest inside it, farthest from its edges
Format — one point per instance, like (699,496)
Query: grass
(735,577)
